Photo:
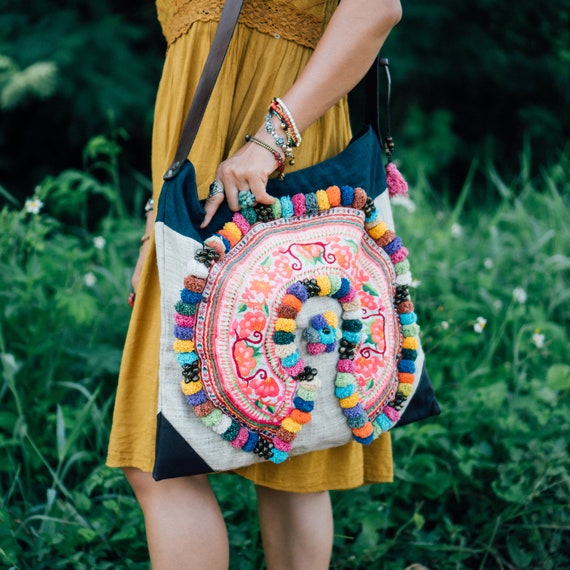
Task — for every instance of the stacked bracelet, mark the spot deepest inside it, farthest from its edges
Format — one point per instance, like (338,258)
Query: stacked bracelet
(286,145)
(276,154)
(280,110)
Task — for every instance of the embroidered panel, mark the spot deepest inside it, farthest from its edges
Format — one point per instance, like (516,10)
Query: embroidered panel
(287,300)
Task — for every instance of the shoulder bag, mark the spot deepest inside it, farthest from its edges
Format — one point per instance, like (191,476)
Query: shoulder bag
(291,328)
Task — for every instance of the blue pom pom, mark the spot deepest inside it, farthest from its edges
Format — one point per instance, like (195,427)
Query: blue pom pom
(344,288)
(383,422)
(287,210)
(365,440)
(393,246)
(374,215)
(319,322)
(299,290)
(197,398)
(225,241)
(407,366)
(353,337)
(190,296)
(291,359)
(408,318)
(186,358)
(346,195)
(353,412)
(251,442)
(344,391)
(278,456)
(183,333)
(303,405)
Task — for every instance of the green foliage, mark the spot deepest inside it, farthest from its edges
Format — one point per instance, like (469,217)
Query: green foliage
(495,70)
(466,75)
(64,313)
(485,485)
(108,57)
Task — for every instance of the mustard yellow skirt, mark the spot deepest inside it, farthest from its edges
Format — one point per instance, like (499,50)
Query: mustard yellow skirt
(257,68)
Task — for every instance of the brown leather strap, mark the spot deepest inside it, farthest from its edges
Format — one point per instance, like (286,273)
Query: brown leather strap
(220,43)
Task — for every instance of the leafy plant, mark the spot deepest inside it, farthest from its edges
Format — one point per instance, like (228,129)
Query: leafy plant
(485,485)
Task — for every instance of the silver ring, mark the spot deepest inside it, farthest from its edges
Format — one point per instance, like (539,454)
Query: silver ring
(216,188)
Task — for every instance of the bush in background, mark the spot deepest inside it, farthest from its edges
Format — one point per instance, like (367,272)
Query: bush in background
(484,485)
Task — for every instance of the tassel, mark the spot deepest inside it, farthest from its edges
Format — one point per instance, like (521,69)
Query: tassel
(397,186)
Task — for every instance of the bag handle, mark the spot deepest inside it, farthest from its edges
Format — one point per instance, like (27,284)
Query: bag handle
(220,43)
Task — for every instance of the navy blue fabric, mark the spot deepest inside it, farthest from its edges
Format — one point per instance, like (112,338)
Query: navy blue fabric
(423,403)
(174,457)
(360,164)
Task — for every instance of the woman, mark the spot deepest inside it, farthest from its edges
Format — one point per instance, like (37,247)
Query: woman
(309,53)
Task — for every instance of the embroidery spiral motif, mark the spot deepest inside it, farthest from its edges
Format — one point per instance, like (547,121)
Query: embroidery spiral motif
(262,283)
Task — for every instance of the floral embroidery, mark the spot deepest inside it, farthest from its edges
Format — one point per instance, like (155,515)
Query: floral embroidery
(243,355)
(274,389)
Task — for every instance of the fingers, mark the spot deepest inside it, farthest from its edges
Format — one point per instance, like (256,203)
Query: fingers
(210,207)
(247,170)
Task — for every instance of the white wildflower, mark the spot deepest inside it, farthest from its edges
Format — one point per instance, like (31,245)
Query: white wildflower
(444,325)
(488,263)
(456,230)
(415,283)
(90,279)
(99,242)
(33,205)
(538,339)
(519,295)
(480,324)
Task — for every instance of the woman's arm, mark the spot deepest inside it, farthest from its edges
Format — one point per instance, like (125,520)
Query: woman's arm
(349,45)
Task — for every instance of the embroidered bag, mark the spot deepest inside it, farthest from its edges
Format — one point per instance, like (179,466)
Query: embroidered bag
(290,329)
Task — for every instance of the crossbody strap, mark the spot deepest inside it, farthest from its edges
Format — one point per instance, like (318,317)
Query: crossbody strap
(220,43)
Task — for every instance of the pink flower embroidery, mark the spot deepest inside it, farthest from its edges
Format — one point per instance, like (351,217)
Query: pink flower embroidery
(251,321)
(310,250)
(282,267)
(343,254)
(265,387)
(367,300)
(377,333)
(243,356)
(261,286)
(367,368)
(359,277)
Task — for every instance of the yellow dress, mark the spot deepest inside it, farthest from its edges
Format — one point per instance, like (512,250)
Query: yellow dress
(272,42)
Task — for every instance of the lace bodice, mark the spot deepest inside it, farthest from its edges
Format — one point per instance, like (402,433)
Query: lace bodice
(301,21)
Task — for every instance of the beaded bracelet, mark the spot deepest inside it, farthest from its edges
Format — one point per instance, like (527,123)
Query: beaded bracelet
(276,155)
(286,145)
(288,124)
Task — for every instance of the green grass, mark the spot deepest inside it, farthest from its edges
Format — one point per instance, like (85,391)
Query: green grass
(484,485)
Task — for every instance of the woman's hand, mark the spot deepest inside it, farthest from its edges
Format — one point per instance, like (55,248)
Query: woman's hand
(347,49)
(248,169)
